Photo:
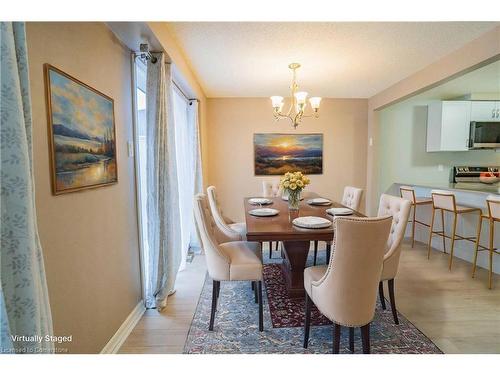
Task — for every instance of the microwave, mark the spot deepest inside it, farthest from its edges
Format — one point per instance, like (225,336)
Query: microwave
(484,134)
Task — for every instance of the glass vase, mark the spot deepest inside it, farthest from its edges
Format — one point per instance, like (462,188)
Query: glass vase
(293,200)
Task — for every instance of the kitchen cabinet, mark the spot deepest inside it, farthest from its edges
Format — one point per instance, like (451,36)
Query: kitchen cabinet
(448,125)
(485,111)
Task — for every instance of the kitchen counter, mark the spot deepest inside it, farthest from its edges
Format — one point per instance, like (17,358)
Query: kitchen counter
(477,187)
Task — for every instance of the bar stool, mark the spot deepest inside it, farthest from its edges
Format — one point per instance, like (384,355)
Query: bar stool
(493,203)
(408,193)
(445,201)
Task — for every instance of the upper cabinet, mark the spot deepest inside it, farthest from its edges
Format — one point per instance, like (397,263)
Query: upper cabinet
(448,126)
(485,111)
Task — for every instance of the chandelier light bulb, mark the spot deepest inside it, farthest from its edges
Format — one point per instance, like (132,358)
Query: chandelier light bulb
(277,102)
(301,97)
(315,101)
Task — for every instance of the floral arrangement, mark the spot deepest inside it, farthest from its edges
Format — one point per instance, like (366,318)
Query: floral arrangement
(292,184)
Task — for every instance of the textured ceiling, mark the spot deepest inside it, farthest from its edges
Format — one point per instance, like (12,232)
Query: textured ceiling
(348,60)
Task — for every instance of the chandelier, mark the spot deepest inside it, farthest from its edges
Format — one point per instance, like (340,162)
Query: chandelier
(298,102)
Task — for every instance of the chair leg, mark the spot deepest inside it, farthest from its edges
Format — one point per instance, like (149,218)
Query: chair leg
(492,234)
(365,338)
(255,292)
(351,339)
(430,233)
(218,289)
(444,238)
(413,225)
(253,285)
(336,338)
(328,252)
(307,322)
(454,229)
(381,294)
(214,305)
(270,250)
(476,250)
(315,251)
(261,312)
(390,284)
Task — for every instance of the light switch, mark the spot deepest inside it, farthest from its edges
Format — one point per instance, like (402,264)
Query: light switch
(130,149)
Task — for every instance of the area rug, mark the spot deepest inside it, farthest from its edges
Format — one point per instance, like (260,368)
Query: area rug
(236,326)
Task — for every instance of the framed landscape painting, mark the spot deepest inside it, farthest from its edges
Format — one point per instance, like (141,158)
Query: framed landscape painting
(81,134)
(276,154)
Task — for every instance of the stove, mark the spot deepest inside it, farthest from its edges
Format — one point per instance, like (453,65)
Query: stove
(474,174)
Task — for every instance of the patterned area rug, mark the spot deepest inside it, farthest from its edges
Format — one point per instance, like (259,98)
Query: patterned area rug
(236,325)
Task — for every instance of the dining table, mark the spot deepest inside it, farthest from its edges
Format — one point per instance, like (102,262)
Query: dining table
(296,240)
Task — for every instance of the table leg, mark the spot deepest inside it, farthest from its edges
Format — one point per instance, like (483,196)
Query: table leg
(293,266)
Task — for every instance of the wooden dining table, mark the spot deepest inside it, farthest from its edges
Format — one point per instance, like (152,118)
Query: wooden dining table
(296,240)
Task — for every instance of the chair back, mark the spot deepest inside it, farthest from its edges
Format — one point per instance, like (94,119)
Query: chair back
(352,197)
(408,193)
(399,209)
(270,189)
(347,292)
(218,217)
(217,261)
(443,199)
(493,202)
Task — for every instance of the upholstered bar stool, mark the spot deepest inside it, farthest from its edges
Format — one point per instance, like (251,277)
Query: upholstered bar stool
(493,203)
(445,201)
(408,193)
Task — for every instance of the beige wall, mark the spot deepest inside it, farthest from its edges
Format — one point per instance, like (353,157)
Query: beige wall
(233,121)
(89,238)
(477,53)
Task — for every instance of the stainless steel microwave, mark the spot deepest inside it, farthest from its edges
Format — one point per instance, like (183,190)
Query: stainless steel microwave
(484,134)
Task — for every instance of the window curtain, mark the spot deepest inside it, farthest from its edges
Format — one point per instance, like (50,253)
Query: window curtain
(194,129)
(24,302)
(162,204)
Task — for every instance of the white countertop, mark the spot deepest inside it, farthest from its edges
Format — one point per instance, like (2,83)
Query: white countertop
(469,187)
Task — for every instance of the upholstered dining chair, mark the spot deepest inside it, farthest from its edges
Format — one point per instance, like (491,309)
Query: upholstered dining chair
(345,291)
(235,231)
(352,199)
(227,261)
(271,189)
(399,209)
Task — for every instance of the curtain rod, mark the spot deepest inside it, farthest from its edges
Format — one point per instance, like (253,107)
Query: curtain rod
(183,93)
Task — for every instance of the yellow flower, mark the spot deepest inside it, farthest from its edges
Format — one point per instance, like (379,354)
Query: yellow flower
(286,184)
(300,183)
(293,186)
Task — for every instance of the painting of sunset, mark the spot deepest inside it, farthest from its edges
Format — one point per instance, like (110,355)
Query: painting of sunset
(82,134)
(276,154)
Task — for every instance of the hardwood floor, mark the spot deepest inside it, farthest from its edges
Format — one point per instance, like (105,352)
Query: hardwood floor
(458,313)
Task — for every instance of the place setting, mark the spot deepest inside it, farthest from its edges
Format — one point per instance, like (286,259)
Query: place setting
(319,201)
(339,211)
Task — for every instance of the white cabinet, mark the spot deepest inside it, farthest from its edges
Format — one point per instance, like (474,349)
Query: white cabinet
(448,125)
(485,111)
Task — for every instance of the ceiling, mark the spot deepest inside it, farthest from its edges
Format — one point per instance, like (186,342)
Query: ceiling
(339,59)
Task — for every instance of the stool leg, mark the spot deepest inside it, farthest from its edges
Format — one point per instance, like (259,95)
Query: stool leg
(444,238)
(430,233)
(413,225)
(492,229)
(453,239)
(477,245)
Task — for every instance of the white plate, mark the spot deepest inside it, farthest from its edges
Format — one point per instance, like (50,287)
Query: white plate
(263,212)
(339,211)
(319,202)
(312,222)
(260,201)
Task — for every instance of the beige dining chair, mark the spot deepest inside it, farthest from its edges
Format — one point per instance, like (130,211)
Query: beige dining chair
(352,199)
(345,291)
(271,189)
(399,209)
(235,231)
(227,261)
(493,203)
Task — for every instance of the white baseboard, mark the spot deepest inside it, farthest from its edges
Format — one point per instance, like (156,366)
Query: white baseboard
(127,326)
